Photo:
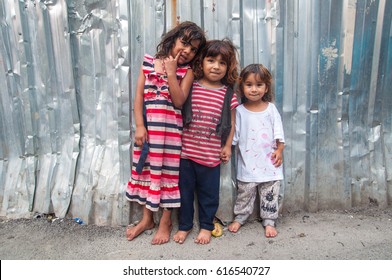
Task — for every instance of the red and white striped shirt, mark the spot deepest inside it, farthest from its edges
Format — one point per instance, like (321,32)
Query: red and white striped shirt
(200,142)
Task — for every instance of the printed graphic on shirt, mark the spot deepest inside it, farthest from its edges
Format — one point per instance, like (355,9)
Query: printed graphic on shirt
(261,147)
(203,133)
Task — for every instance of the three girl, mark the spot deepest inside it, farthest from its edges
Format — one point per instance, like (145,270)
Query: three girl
(171,164)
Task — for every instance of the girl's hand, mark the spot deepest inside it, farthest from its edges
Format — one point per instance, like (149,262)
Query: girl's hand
(140,135)
(277,158)
(225,154)
(170,64)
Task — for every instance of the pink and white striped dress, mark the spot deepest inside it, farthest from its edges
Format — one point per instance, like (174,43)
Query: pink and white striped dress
(157,185)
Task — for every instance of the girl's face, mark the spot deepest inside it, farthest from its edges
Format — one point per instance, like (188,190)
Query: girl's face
(254,88)
(188,50)
(214,68)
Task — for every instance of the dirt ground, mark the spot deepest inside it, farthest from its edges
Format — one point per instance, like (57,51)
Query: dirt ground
(358,234)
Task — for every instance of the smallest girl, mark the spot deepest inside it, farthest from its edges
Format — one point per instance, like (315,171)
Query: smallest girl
(209,115)
(260,139)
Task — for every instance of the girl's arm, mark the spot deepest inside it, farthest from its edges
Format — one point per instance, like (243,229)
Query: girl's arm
(277,155)
(141,130)
(178,92)
(226,149)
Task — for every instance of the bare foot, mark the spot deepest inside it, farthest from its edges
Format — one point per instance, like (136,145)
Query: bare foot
(180,236)
(163,234)
(204,237)
(234,226)
(270,231)
(135,231)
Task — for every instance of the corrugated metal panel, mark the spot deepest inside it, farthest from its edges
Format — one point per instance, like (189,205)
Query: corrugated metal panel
(68,71)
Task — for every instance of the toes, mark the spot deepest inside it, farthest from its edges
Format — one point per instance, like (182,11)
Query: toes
(204,237)
(180,236)
(270,232)
(179,240)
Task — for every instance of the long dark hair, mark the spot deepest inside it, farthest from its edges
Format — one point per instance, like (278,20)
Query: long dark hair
(187,31)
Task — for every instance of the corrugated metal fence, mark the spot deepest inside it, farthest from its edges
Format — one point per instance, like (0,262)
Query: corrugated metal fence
(68,71)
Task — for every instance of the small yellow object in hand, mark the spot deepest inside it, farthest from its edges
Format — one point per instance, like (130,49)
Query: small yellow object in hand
(218,230)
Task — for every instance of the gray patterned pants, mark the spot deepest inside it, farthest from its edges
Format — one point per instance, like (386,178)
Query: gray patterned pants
(246,195)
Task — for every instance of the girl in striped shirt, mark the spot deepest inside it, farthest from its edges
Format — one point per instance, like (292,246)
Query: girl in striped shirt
(202,147)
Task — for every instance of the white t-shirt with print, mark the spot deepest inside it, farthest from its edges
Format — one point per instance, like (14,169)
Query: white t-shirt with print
(256,134)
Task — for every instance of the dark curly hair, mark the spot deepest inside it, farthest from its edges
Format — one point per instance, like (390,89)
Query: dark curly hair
(263,74)
(187,31)
(214,48)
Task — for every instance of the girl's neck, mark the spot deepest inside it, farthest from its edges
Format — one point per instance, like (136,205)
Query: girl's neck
(257,106)
(210,84)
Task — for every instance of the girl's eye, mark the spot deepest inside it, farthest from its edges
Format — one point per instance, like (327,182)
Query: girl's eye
(186,44)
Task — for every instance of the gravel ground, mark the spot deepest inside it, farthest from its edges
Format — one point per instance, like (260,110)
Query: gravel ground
(358,234)
(308,246)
